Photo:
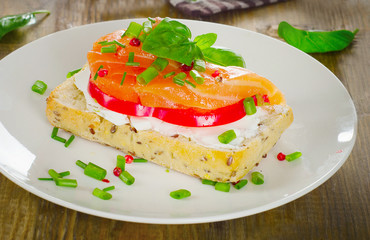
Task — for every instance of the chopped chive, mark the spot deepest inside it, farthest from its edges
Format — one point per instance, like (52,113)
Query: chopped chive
(179,82)
(133,30)
(208,182)
(142,37)
(109,49)
(190,83)
(257,178)
(151,19)
(63,182)
(160,64)
(70,74)
(141,160)
(69,141)
(54,132)
(121,162)
(96,74)
(180,76)
(259,100)
(60,139)
(108,188)
(293,156)
(196,76)
(249,106)
(119,44)
(39,87)
(169,74)
(64,174)
(200,65)
(132,64)
(127,178)
(105,43)
(148,75)
(53,174)
(95,171)
(224,187)
(81,164)
(46,179)
(241,184)
(102,42)
(180,194)
(123,77)
(147,27)
(227,137)
(131,56)
(101,194)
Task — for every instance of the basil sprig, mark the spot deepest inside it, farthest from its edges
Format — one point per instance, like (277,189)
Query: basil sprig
(172,39)
(316,41)
(12,22)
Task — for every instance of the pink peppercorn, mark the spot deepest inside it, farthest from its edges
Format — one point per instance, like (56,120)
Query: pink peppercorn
(255,100)
(135,42)
(129,159)
(281,156)
(186,68)
(215,73)
(117,171)
(105,180)
(266,98)
(102,72)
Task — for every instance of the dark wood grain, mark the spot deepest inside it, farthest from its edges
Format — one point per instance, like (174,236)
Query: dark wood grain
(339,209)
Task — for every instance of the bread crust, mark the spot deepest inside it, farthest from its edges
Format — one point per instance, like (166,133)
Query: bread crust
(66,109)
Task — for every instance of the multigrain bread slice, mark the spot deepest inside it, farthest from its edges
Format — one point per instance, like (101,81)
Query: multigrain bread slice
(66,109)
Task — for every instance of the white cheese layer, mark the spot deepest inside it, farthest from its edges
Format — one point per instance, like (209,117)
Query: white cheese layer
(244,128)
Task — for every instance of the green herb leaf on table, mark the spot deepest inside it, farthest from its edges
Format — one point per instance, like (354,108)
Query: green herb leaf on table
(223,56)
(12,22)
(205,40)
(316,41)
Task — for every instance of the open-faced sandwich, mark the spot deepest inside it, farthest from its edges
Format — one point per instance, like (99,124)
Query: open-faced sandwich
(154,93)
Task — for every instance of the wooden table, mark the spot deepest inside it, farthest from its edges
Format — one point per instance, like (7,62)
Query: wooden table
(339,209)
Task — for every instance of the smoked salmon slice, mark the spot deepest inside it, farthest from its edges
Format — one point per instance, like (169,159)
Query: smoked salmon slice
(230,86)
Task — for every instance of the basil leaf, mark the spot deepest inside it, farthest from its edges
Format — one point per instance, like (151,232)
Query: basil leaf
(223,56)
(205,40)
(316,41)
(171,39)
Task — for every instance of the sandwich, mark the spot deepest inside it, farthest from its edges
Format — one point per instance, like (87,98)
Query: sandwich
(152,92)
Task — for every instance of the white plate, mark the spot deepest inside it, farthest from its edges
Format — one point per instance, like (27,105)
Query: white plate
(324,130)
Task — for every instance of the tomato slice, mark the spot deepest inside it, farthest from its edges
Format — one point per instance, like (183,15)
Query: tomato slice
(184,117)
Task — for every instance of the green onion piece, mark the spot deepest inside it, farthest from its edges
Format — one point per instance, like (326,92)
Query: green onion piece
(131,56)
(70,139)
(53,174)
(227,137)
(151,19)
(109,49)
(293,156)
(142,37)
(179,82)
(123,77)
(141,160)
(260,100)
(63,174)
(190,83)
(147,27)
(133,30)
(95,171)
(39,87)
(148,75)
(132,64)
(101,194)
(249,106)
(121,162)
(102,42)
(96,74)
(160,64)
(257,178)
(200,65)
(46,179)
(223,187)
(54,132)
(106,43)
(108,188)
(169,74)
(208,182)
(180,76)
(241,184)
(70,74)
(60,139)
(81,164)
(180,194)
(119,44)
(196,76)
(62,182)
(127,178)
